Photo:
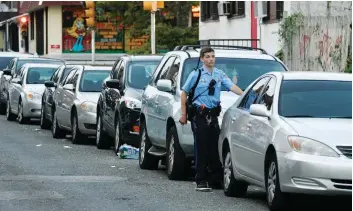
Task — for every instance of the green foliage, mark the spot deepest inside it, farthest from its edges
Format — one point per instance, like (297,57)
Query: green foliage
(280,55)
(348,68)
(289,27)
(138,20)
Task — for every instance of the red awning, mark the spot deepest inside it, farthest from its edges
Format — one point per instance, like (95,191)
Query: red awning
(30,6)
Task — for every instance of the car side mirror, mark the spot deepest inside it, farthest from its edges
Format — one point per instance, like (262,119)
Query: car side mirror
(165,85)
(113,84)
(69,87)
(7,72)
(259,110)
(49,84)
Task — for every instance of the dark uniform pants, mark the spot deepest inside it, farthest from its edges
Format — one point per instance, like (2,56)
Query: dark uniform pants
(206,149)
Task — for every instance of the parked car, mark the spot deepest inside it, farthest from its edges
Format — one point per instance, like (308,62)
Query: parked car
(119,103)
(5,61)
(290,132)
(13,71)
(48,96)
(75,102)
(162,136)
(25,91)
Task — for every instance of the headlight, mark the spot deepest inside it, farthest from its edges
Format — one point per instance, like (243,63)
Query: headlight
(132,103)
(89,107)
(33,96)
(309,146)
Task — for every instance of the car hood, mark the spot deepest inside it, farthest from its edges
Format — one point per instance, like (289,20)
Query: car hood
(134,93)
(36,88)
(332,132)
(227,100)
(88,96)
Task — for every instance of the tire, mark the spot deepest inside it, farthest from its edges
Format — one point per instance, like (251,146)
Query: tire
(56,130)
(231,186)
(9,115)
(77,136)
(175,158)
(44,123)
(102,139)
(276,200)
(146,160)
(20,118)
(118,139)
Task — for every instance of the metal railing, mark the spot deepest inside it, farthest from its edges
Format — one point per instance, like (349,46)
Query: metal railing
(230,42)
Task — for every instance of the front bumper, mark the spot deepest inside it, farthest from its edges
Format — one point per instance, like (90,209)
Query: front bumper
(87,123)
(32,108)
(308,174)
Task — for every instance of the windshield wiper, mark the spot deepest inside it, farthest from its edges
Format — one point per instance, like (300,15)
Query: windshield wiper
(307,116)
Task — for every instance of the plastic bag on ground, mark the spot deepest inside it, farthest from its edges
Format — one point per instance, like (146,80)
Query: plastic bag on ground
(128,152)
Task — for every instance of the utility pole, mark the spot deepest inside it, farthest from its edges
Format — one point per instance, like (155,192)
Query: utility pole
(90,14)
(153,6)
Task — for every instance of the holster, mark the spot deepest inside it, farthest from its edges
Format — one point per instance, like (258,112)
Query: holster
(207,112)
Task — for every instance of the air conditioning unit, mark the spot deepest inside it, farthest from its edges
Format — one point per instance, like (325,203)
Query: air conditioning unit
(260,9)
(223,8)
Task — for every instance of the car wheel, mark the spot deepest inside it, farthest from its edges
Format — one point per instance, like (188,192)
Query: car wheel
(9,115)
(118,136)
(44,123)
(276,200)
(146,160)
(77,136)
(56,130)
(231,186)
(175,156)
(20,118)
(102,140)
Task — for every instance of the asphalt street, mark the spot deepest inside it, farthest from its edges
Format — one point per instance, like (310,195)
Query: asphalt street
(39,173)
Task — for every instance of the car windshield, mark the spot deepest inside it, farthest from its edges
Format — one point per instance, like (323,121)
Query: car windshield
(38,75)
(4,62)
(315,99)
(140,72)
(241,71)
(22,62)
(92,80)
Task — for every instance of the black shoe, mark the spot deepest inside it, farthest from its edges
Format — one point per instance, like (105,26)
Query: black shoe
(217,186)
(202,186)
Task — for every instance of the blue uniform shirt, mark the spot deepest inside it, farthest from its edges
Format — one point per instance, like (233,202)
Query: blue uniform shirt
(202,88)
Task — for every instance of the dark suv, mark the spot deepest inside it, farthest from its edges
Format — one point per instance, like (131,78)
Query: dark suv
(119,104)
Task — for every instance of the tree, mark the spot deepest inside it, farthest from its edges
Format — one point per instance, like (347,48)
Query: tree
(171,22)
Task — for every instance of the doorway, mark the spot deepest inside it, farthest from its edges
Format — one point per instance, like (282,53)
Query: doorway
(40,32)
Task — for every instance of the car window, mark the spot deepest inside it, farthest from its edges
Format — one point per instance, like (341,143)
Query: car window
(22,62)
(68,79)
(315,99)
(75,78)
(121,73)
(64,74)
(116,70)
(139,73)
(55,77)
(242,71)
(173,71)
(266,97)
(38,75)
(253,93)
(91,80)
(5,62)
(167,65)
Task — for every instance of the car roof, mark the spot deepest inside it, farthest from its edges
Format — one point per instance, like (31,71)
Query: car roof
(17,54)
(143,57)
(40,65)
(89,67)
(38,58)
(305,75)
(230,53)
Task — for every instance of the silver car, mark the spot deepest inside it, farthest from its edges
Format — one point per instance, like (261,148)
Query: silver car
(25,91)
(75,103)
(290,132)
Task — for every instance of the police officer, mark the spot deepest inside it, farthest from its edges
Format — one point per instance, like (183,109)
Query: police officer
(205,122)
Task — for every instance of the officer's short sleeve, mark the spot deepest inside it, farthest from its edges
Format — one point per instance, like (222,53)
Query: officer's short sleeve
(226,81)
(190,82)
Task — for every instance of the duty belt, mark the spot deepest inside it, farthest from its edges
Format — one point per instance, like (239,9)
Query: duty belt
(208,112)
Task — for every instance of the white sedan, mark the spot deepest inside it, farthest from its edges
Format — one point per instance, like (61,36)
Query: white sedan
(290,132)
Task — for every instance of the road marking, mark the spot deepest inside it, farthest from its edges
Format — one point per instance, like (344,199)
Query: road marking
(62,178)
(38,145)
(67,147)
(32,194)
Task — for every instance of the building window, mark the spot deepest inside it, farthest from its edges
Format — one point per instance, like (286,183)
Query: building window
(32,25)
(274,11)
(209,10)
(237,8)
